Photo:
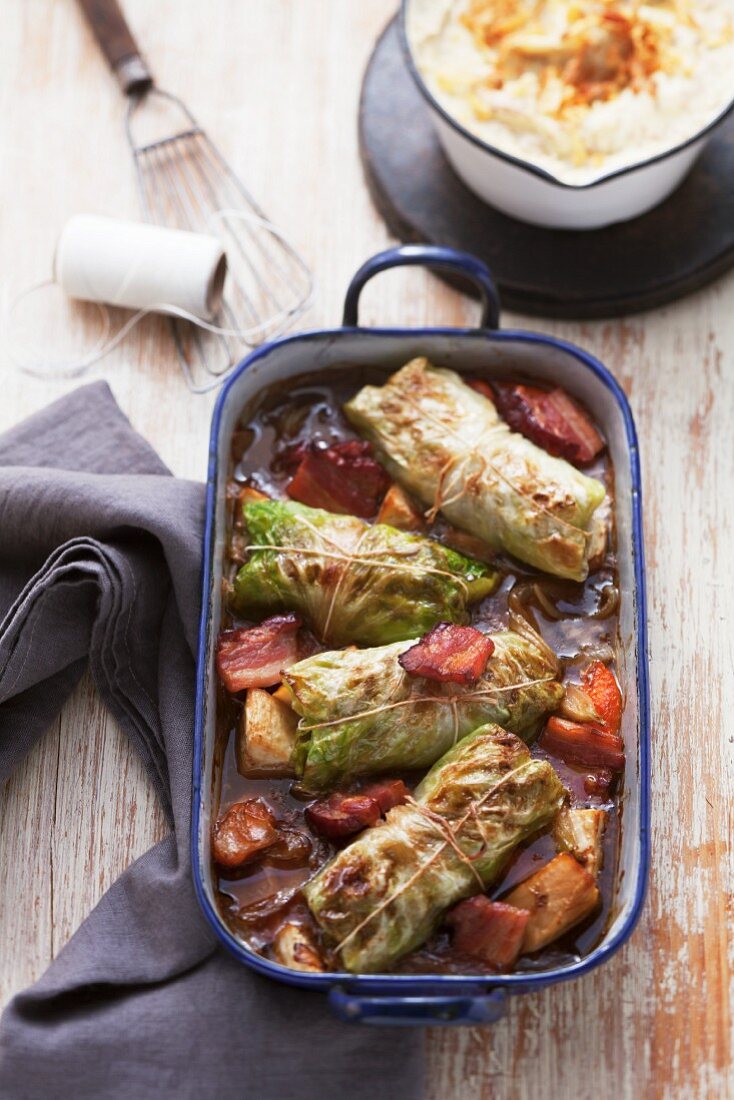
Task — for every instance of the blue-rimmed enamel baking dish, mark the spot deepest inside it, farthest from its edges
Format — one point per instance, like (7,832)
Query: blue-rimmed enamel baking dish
(427,999)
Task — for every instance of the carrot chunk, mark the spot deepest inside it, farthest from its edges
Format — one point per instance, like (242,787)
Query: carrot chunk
(582,743)
(449,654)
(603,690)
(398,510)
(488,930)
(255,656)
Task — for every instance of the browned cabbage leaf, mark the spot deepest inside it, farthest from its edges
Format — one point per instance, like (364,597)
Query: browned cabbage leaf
(386,893)
(362,713)
(446,444)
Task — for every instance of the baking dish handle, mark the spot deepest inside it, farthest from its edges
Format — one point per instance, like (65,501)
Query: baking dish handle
(418,1006)
(448,261)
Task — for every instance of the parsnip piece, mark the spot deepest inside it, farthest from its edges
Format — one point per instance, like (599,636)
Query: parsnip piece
(266,735)
(294,947)
(398,510)
(580,832)
(558,896)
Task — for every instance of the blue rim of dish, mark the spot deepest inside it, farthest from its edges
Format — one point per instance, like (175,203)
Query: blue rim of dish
(525,165)
(410,984)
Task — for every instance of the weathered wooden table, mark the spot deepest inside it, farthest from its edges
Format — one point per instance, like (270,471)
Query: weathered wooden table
(276,82)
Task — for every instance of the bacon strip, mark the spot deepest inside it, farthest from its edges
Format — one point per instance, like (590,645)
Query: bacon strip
(343,478)
(488,930)
(581,743)
(550,419)
(450,654)
(255,656)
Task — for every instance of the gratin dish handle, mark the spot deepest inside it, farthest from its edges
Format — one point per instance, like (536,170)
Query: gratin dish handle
(448,261)
(418,1006)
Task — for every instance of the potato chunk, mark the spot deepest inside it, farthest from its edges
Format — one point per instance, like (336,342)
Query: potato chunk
(294,946)
(266,735)
(558,896)
(580,832)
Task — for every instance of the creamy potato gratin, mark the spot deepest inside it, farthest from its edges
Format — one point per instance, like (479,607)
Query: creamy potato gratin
(578,87)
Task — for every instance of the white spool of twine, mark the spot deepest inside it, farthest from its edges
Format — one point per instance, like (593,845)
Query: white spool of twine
(134,265)
(139,266)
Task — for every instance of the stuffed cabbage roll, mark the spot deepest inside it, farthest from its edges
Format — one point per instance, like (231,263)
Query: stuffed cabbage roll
(362,713)
(352,582)
(386,893)
(446,444)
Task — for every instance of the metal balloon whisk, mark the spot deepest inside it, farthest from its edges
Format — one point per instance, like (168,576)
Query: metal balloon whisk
(185,182)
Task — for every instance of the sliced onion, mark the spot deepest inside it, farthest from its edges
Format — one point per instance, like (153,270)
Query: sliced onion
(546,605)
(577,705)
(608,602)
(596,651)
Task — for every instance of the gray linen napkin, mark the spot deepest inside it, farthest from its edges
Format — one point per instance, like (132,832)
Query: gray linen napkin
(99,563)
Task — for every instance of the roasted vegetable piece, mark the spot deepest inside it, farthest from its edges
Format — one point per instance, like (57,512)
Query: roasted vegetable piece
(249,495)
(398,510)
(488,930)
(352,582)
(385,893)
(266,735)
(558,897)
(246,830)
(603,690)
(363,714)
(551,419)
(581,743)
(447,446)
(467,544)
(580,832)
(577,706)
(255,656)
(294,946)
(599,783)
(342,815)
(292,848)
(449,654)
(342,478)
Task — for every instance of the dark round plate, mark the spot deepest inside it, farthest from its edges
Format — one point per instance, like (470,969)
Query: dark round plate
(676,248)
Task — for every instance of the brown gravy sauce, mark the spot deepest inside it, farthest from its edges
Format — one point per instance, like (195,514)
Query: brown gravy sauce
(255,901)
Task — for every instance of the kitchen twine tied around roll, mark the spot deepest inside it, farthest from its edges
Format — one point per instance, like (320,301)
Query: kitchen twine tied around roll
(148,268)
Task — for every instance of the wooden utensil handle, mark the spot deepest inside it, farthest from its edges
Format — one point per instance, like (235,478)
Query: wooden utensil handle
(118,45)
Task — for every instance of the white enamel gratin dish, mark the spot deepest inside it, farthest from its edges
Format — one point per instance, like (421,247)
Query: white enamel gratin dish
(485,351)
